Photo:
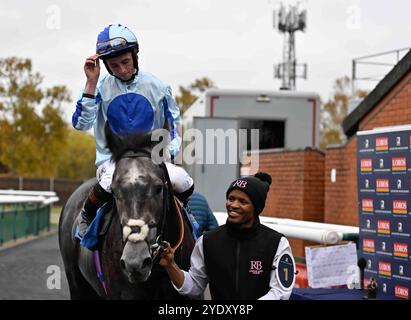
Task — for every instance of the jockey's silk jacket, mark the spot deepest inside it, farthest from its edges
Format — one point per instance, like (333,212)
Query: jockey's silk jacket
(145,90)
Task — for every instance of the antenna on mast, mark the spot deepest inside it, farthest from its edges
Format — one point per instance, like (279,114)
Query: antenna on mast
(288,21)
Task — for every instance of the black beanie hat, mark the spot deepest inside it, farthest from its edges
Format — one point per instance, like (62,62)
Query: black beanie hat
(256,187)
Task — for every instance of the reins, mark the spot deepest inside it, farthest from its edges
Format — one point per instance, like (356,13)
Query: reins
(180,219)
(177,206)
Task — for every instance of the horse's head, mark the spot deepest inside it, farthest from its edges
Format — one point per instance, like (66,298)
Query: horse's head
(139,191)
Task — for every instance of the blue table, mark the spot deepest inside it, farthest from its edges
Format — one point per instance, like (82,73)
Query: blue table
(334,294)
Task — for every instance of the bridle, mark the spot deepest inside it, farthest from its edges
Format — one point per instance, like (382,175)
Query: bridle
(160,243)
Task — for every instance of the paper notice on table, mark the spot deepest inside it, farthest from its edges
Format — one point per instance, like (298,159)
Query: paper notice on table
(329,266)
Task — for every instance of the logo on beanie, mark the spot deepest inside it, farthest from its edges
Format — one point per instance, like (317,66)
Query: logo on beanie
(240,183)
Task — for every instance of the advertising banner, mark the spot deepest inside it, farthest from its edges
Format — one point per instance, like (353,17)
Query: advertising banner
(384,206)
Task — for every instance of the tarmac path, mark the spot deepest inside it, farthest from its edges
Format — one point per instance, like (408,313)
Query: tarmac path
(33,271)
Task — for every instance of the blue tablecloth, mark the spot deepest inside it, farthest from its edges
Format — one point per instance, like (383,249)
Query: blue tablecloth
(334,294)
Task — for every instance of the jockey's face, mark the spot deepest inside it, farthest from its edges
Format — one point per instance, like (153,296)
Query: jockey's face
(240,209)
(122,66)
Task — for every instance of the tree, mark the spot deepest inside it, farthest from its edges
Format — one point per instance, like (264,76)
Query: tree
(190,94)
(334,111)
(30,141)
(78,156)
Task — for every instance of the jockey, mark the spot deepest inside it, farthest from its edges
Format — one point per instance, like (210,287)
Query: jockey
(136,101)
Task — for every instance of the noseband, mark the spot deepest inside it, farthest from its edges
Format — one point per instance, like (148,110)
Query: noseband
(160,244)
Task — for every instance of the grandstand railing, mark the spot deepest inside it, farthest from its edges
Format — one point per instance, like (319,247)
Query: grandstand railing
(24,213)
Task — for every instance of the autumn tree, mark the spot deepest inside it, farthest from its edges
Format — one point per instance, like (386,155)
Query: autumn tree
(189,94)
(334,111)
(30,140)
(78,156)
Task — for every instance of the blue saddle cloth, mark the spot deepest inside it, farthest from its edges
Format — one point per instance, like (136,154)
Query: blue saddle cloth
(91,237)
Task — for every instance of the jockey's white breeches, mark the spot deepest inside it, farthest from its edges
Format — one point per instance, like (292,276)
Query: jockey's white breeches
(178,176)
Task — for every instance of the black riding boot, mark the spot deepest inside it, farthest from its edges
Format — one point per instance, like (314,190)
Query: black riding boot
(96,198)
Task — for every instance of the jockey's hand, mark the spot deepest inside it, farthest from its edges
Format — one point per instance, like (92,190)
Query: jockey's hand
(167,256)
(92,69)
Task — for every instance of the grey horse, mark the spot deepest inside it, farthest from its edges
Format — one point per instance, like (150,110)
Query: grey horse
(144,212)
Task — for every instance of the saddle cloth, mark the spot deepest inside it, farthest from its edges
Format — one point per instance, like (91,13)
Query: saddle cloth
(97,228)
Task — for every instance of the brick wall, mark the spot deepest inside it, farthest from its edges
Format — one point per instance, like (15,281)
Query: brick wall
(341,198)
(297,189)
(394,109)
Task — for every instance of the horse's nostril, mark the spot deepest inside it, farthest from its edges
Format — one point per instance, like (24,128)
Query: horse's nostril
(146,263)
(123,264)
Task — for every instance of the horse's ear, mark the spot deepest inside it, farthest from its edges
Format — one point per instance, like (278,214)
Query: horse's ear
(113,141)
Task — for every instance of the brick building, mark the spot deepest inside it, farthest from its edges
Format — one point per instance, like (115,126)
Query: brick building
(389,104)
(298,187)
(302,188)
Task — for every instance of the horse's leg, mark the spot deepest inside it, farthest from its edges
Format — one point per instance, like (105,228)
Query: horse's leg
(80,289)
(79,286)
(70,248)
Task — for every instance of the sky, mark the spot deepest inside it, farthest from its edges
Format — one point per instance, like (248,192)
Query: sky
(232,42)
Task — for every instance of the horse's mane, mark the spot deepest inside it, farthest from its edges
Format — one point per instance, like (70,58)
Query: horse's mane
(134,142)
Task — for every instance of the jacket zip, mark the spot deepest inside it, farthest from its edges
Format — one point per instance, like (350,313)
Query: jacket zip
(237,271)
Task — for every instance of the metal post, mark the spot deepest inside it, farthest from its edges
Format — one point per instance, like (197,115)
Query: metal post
(36,211)
(21,183)
(353,77)
(51,183)
(14,225)
(1,227)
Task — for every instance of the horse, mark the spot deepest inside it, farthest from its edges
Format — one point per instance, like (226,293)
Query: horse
(145,213)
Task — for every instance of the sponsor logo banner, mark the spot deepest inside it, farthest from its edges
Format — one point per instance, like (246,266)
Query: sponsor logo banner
(383,226)
(400,250)
(399,206)
(401,292)
(399,164)
(367,205)
(383,185)
(368,245)
(366,165)
(381,144)
(384,268)
(384,188)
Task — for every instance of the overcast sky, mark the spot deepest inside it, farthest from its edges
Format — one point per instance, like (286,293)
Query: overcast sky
(232,42)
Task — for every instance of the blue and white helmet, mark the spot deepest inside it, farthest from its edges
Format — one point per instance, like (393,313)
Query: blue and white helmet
(115,40)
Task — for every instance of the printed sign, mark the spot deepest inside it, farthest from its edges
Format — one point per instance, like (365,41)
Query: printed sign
(384,183)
